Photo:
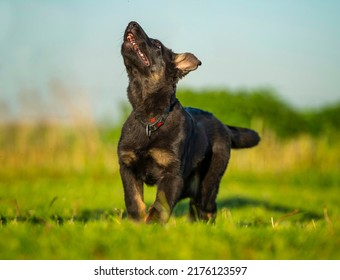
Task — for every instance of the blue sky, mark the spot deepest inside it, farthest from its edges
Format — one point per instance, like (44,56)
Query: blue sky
(290,46)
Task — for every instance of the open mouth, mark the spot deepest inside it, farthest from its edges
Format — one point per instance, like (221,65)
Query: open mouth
(131,39)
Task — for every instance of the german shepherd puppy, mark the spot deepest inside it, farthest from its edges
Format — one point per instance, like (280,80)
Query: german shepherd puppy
(183,151)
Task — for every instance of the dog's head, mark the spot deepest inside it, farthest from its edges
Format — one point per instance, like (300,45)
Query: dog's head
(149,58)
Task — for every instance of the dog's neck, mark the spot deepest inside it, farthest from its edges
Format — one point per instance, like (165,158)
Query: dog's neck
(149,103)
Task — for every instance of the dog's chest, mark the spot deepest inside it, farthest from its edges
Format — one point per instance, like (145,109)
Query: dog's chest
(149,163)
(158,156)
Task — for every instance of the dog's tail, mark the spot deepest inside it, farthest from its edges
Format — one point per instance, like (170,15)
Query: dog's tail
(243,137)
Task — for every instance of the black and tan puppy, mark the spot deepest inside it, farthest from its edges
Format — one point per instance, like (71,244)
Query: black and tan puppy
(183,151)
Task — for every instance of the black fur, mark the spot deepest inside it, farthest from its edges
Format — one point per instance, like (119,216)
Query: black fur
(184,151)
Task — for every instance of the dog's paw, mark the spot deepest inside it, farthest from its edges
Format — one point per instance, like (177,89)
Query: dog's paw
(209,217)
(157,214)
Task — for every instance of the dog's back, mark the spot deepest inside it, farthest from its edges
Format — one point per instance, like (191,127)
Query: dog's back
(240,137)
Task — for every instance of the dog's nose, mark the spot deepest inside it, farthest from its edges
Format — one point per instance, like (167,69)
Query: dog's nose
(133,25)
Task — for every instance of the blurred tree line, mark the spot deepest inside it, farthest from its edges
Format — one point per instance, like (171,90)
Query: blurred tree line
(264,108)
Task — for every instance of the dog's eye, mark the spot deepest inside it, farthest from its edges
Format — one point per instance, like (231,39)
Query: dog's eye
(157,44)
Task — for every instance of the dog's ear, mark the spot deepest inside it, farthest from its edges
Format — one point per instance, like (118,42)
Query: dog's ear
(186,62)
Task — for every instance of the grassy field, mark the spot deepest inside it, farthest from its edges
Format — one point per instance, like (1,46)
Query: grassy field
(61,198)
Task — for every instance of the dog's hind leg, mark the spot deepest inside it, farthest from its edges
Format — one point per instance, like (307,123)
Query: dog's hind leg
(204,207)
(133,194)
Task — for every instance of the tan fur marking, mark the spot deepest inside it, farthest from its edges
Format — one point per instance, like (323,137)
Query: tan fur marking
(128,157)
(157,76)
(161,157)
(141,206)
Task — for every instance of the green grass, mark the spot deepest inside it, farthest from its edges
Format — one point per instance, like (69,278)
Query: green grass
(81,218)
(61,198)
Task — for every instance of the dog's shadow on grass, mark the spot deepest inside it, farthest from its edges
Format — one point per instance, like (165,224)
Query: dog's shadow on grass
(235,203)
(182,209)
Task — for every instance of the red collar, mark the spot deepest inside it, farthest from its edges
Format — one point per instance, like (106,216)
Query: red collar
(155,123)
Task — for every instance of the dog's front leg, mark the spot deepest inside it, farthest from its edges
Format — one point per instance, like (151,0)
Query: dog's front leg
(133,194)
(168,192)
